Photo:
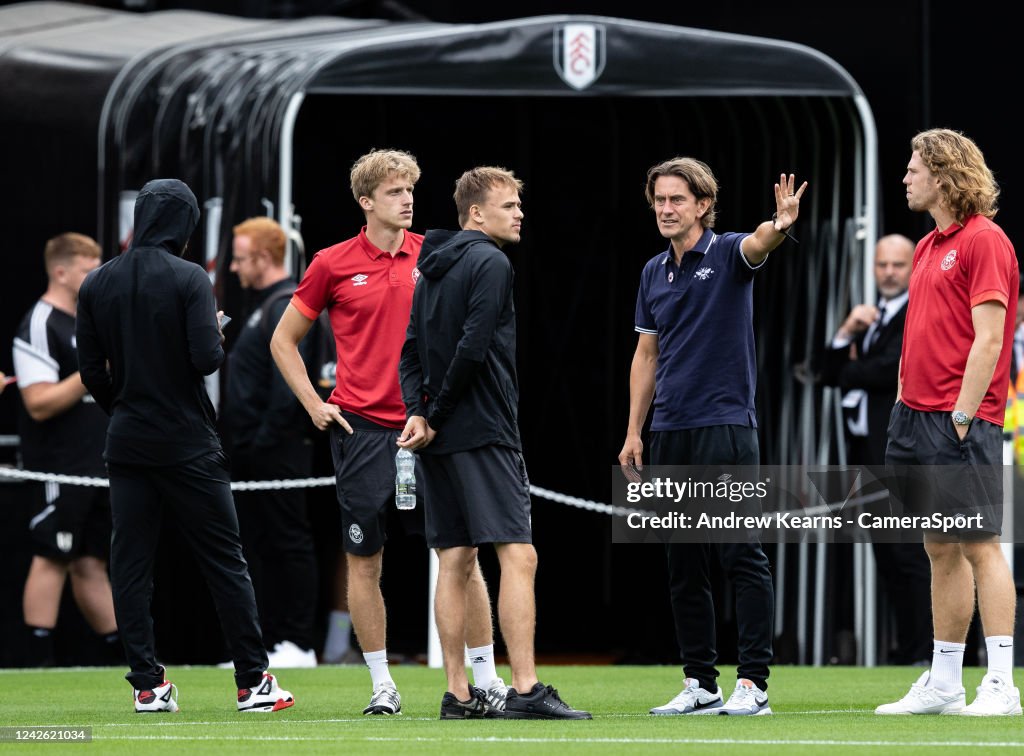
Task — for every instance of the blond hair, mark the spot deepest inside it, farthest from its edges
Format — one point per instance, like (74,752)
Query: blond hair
(61,249)
(376,166)
(964,180)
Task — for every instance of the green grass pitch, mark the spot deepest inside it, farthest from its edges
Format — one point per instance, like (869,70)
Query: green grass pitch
(817,711)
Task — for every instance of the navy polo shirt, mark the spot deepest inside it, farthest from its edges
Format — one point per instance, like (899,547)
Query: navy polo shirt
(702,313)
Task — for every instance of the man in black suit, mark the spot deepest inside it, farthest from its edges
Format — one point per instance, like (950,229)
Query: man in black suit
(863,360)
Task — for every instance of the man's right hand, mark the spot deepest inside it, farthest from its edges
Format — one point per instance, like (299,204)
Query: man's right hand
(858,321)
(416,434)
(631,458)
(324,414)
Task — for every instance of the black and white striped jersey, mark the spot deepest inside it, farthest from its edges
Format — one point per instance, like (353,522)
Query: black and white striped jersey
(45,352)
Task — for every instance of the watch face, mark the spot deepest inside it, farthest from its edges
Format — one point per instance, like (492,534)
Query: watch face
(960,418)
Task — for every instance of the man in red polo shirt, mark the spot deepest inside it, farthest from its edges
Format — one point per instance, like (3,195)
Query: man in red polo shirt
(955,366)
(366,283)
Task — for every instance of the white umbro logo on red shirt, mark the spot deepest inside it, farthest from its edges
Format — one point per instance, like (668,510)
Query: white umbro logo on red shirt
(359,279)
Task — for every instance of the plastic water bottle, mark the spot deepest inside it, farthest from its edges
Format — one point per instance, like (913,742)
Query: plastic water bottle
(405,480)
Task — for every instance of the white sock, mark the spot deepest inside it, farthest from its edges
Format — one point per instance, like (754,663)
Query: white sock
(377,661)
(947,666)
(339,634)
(482,659)
(1000,657)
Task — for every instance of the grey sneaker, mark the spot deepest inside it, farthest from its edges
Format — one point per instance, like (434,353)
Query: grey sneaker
(746,700)
(476,707)
(692,700)
(385,700)
(496,693)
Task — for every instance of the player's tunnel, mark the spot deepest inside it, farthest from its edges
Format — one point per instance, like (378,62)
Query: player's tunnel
(266,117)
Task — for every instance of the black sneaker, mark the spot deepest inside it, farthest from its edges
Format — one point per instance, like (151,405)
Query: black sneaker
(541,703)
(476,707)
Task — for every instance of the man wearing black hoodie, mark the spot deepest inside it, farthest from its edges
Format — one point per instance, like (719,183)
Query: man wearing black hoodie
(459,386)
(147,335)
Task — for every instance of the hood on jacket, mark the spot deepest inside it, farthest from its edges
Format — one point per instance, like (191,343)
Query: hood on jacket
(442,249)
(166,214)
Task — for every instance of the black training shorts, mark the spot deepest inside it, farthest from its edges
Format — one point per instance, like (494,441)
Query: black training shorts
(476,497)
(72,521)
(931,471)
(364,472)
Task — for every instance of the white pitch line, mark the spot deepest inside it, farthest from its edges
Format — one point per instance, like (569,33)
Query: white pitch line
(617,741)
(723,741)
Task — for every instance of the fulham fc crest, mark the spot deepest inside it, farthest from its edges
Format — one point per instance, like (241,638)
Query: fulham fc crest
(579,53)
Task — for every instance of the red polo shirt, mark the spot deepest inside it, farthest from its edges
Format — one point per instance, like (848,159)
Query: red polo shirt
(368,294)
(954,271)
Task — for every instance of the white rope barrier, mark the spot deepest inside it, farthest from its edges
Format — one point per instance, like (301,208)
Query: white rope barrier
(266,485)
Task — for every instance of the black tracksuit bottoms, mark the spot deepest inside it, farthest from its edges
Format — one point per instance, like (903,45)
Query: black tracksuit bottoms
(197,494)
(744,564)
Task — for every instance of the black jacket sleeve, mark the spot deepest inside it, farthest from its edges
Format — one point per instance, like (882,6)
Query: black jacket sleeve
(876,371)
(204,342)
(410,370)
(281,413)
(92,361)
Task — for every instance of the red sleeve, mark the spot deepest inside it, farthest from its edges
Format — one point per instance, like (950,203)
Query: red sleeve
(313,292)
(989,269)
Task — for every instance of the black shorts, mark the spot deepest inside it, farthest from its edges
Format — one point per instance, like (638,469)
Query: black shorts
(71,522)
(364,473)
(476,497)
(931,471)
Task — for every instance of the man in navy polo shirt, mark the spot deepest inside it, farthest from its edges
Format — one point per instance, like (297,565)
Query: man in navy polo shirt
(695,360)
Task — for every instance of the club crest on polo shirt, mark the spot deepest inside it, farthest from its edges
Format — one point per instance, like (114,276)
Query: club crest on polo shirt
(415,275)
(949,260)
(703,273)
(355,534)
(359,279)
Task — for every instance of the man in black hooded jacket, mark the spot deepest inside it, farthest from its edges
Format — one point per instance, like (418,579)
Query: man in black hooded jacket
(147,335)
(458,377)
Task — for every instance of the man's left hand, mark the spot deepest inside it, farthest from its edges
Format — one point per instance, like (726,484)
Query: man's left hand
(787,201)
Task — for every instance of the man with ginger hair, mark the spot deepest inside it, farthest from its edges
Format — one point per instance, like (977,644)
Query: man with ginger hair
(366,284)
(265,427)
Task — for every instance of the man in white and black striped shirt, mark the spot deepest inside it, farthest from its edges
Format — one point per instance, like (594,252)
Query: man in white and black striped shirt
(62,431)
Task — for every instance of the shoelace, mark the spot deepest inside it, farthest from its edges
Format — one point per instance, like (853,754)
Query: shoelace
(554,694)
(747,695)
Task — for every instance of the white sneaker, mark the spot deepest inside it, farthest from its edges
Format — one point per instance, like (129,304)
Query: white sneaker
(385,700)
(496,693)
(746,700)
(286,655)
(267,696)
(996,698)
(162,698)
(923,699)
(692,700)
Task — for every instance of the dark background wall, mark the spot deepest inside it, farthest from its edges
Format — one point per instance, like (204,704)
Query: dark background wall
(921,64)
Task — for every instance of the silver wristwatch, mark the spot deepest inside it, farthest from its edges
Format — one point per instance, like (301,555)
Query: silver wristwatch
(960,417)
